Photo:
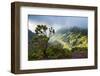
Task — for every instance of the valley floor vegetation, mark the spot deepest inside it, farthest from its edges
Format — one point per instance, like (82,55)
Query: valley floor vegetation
(69,43)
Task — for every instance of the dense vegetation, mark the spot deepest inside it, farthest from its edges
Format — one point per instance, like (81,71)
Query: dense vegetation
(63,44)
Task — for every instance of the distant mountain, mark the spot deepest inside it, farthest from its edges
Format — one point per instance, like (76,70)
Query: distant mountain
(83,31)
(69,38)
(30,34)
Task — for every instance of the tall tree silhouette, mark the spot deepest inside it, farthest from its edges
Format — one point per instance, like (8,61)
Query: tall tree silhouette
(41,31)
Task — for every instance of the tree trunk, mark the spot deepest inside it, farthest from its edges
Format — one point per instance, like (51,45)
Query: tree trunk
(45,54)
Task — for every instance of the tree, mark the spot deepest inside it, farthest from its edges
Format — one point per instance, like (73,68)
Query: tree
(41,31)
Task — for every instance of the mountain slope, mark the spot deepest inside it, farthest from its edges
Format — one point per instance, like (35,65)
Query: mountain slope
(74,37)
(30,35)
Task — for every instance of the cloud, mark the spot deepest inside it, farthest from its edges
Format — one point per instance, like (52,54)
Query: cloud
(57,22)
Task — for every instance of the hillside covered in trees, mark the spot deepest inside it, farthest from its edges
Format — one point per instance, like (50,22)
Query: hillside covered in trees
(67,43)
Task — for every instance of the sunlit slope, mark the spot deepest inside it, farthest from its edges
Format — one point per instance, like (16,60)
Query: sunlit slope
(70,40)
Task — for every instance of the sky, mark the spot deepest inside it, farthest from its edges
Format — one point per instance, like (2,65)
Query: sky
(57,22)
